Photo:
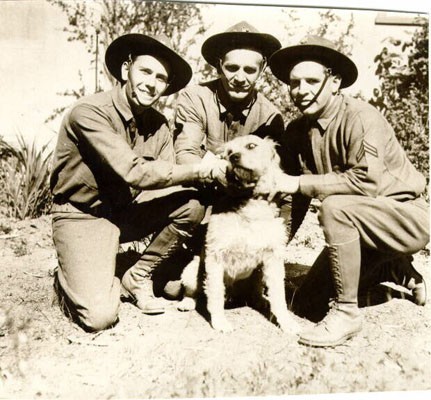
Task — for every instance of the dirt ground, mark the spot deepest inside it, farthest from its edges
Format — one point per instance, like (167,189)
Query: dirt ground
(43,355)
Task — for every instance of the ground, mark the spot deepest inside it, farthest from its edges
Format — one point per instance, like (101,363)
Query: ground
(43,355)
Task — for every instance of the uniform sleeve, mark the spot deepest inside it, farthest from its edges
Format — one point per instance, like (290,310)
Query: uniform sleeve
(190,128)
(363,150)
(167,152)
(98,140)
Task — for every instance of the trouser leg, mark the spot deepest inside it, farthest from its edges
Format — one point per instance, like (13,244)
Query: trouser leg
(173,217)
(86,248)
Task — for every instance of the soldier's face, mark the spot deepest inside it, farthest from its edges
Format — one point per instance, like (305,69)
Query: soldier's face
(239,71)
(146,79)
(305,82)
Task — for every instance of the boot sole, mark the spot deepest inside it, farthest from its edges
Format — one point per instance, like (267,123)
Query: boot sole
(153,312)
(343,339)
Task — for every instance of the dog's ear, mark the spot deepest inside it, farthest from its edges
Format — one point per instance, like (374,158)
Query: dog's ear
(273,146)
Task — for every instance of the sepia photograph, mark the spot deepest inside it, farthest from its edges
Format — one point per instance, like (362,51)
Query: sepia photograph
(213,199)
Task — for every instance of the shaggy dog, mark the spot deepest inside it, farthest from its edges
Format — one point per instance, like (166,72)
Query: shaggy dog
(244,233)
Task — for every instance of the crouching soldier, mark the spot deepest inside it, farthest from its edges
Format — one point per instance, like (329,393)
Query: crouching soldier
(212,113)
(343,152)
(114,180)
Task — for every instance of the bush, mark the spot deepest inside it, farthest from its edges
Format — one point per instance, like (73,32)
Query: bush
(24,180)
(404,92)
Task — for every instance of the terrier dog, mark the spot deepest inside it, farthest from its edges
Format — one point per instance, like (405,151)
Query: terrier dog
(244,233)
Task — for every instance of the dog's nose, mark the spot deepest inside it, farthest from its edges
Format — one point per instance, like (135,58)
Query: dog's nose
(235,157)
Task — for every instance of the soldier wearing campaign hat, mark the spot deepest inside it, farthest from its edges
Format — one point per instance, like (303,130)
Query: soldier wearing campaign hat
(114,180)
(209,114)
(343,152)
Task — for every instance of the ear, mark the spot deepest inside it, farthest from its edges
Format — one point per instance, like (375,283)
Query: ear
(219,66)
(264,64)
(125,67)
(336,83)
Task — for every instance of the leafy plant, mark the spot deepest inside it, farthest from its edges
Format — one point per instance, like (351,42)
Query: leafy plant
(24,179)
(402,68)
(97,23)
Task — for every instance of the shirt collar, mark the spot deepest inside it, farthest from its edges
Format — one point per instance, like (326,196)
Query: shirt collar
(120,102)
(225,105)
(329,114)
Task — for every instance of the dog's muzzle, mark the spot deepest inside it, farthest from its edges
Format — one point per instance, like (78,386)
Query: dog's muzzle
(240,176)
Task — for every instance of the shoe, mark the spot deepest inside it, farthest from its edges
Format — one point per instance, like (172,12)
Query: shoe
(342,322)
(144,299)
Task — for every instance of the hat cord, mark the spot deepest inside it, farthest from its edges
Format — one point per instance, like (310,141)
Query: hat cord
(328,73)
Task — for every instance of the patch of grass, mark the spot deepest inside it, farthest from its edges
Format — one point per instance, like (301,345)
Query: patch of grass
(20,247)
(5,228)
(24,179)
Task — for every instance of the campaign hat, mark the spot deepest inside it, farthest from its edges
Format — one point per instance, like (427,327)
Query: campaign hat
(158,46)
(314,48)
(239,36)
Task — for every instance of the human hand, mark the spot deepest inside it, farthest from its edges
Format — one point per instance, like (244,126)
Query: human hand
(212,168)
(284,185)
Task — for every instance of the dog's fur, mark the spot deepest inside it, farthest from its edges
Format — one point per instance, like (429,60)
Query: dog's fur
(244,233)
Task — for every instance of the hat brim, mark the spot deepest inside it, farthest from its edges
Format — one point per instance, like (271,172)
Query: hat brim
(215,47)
(283,60)
(139,44)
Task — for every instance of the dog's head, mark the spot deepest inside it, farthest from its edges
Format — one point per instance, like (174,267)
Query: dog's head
(250,159)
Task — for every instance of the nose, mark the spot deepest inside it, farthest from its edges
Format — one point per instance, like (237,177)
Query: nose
(239,76)
(151,81)
(302,87)
(235,157)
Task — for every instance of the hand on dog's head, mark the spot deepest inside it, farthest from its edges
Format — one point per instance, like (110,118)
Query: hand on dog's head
(250,159)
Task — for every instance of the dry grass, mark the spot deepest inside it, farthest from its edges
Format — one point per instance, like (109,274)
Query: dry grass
(43,355)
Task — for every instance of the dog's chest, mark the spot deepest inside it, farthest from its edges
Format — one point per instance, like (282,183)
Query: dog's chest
(243,239)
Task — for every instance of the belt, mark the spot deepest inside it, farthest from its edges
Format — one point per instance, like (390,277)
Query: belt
(100,211)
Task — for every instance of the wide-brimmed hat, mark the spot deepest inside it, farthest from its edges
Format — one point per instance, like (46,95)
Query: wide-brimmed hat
(314,48)
(241,35)
(158,46)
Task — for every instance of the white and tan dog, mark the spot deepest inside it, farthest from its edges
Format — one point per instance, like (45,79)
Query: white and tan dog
(244,233)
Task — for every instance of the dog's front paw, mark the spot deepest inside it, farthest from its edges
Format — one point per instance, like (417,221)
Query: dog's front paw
(186,304)
(221,324)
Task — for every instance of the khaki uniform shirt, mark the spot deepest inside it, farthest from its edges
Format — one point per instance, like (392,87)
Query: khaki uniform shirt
(99,157)
(205,121)
(351,149)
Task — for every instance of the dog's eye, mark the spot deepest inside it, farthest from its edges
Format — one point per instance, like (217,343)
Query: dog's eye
(251,146)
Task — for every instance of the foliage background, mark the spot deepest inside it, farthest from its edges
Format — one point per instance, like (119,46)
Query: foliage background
(402,69)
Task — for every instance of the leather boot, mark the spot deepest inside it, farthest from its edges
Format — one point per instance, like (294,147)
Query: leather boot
(311,298)
(343,321)
(142,281)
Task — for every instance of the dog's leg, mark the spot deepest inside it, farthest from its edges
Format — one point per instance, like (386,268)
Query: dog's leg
(215,291)
(189,280)
(273,277)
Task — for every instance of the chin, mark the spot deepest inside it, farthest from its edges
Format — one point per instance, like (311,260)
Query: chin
(146,103)
(237,97)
